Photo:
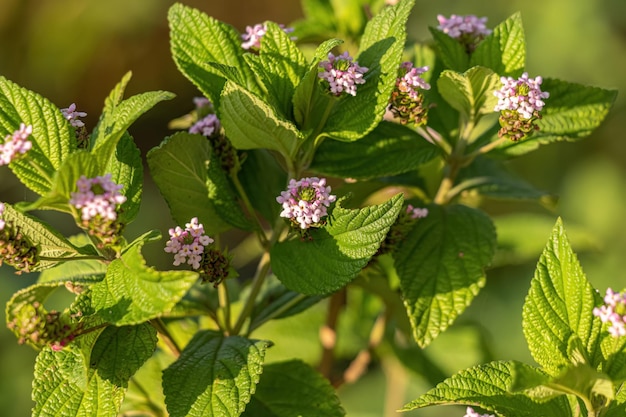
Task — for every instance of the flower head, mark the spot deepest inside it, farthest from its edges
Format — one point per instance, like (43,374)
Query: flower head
(613,311)
(97,196)
(188,245)
(342,74)
(519,103)
(72,115)
(305,201)
(208,126)
(469,30)
(407,100)
(416,212)
(16,249)
(252,37)
(469,412)
(16,144)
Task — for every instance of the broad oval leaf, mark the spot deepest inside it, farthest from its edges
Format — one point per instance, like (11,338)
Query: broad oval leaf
(336,253)
(450,51)
(215,376)
(504,51)
(559,306)
(441,266)
(293,388)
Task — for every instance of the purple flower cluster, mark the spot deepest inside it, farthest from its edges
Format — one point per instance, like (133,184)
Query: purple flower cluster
(458,26)
(72,115)
(411,80)
(16,144)
(208,126)
(614,312)
(523,95)
(2,222)
(305,201)
(469,412)
(97,196)
(188,245)
(416,212)
(252,37)
(342,74)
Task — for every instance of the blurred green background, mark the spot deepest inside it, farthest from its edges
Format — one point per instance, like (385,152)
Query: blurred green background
(76,50)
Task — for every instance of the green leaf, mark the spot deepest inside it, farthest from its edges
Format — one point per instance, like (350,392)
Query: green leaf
(251,123)
(280,66)
(450,51)
(52,139)
(441,266)
(117,116)
(65,385)
(337,252)
(120,351)
(189,175)
(381,50)
(504,51)
(214,376)
(126,167)
(471,93)
(53,247)
(489,387)
(132,293)
(390,149)
(559,306)
(293,388)
(572,112)
(261,176)
(145,391)
(76,271)
(197,40)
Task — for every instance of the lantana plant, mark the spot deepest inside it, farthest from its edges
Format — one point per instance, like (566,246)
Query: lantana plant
(342,159)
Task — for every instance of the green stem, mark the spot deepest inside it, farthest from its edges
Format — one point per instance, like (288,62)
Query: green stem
(276,313)
(40,170)
(154,407)
(486,148)
(224,310)
(74,258)
(167,338)
(257,283)
(250,209)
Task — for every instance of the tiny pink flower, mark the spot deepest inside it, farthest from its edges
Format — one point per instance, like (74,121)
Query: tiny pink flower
(208,126)
(410,81)
(613,312)
(523,95)
(469,412)
(72,115)
(305,201)
(97,196)
(252,37)
(16,144)
(457,26)
(2,222)
(201,102)
(341,74)
(416,213)
(188,245)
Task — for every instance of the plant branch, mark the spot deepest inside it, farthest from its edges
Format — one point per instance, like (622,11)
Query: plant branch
(257,283)
(250,209)
(167,338)
(328,333)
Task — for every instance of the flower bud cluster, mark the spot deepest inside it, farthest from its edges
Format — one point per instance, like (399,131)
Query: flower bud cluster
(15,248)
(614,312)
(305,201)
(38,327)
(97,197)
(407,101)
(469,412)
(342,74)
(469,30)
(254,34)
(188,245)
(16,145)
(519,103)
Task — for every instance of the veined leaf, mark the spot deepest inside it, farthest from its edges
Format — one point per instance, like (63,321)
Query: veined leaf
(52,138)
(559,306)
(337,252)
(251,123)
(133,293)
(390,149)
(489,387)
(450,51)
(214,376)
(471,93)
(504,51)
(441,266)
(197,39)
(381,50)
(293,388)
(192,181)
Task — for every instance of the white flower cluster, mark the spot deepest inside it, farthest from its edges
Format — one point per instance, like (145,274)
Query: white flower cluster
(188,244)
(97,196)
(342,74)
(305,201)
(523,95)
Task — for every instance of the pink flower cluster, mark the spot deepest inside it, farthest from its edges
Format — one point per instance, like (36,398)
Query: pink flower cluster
(188,245)
(411,80)
(16,144)
(253,35)
(458,26)
(469,412)
(523,95)
(342,74)
(416,212)
(72,115)
(208,126)
(2,222)
(305,201)
(614,312)
(97,196)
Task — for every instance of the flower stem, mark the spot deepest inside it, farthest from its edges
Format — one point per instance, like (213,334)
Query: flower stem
(224,310)
(167,338)
(250,209)
(257,283)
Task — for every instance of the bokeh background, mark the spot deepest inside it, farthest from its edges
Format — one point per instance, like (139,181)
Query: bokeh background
(77,50)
